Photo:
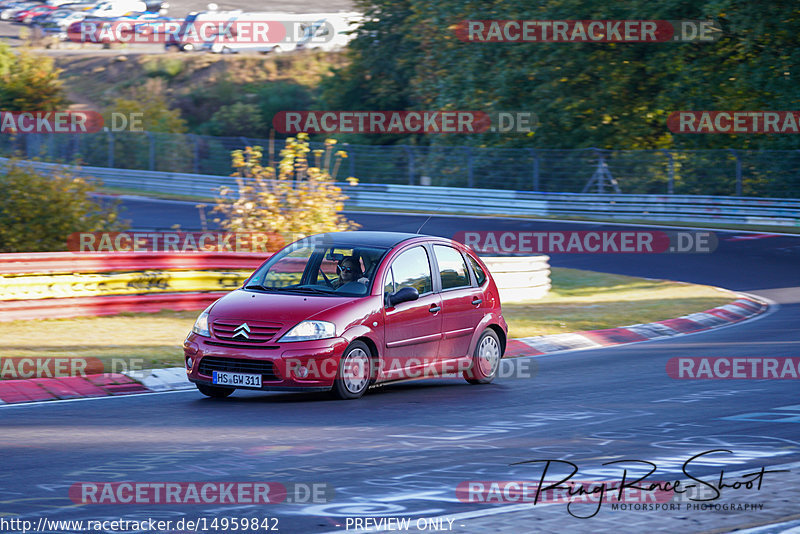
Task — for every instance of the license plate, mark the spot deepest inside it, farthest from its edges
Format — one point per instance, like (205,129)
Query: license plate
(236,379)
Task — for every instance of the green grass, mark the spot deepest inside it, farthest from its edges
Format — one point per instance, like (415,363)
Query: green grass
(586,300)
(579,300)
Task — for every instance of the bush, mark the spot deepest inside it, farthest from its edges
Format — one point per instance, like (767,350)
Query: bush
(28,82)
(38,212)
(298,200)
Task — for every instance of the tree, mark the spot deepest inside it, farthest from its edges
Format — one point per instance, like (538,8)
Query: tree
(28,82)
(605,95)
(296,201)
(39,211)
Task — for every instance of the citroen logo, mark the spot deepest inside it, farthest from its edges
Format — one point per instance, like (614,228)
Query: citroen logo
(242,330)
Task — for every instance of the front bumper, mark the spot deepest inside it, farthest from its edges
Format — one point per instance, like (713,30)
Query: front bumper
(300,366)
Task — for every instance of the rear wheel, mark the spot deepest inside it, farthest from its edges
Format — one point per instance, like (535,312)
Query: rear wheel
(485,359)
(214,391)
(355,372)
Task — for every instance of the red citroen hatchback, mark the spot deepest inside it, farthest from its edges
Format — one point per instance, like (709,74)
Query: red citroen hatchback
(342,311)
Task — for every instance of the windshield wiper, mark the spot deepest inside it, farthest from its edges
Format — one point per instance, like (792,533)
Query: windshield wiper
(259,286)
(317,290)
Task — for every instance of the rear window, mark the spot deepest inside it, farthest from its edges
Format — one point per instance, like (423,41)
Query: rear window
(480,276)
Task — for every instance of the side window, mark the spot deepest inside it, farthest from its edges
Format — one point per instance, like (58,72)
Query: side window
(452,267)
(479,274)
(411,269)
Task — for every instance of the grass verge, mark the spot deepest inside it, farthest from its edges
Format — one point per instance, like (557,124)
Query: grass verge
(579,300)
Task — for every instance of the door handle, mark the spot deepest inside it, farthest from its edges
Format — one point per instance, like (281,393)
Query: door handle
(477,302)
(434,308)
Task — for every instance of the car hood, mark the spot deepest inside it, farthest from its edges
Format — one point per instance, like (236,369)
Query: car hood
(288,309)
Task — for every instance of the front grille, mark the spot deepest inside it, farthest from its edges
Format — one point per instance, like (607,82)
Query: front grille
(257,332)
(209,364)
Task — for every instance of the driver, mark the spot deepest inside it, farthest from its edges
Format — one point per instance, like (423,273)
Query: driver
(349,271)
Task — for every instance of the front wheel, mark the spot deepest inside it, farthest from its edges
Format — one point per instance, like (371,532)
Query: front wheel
(214,391)
(485,359)
(355,372)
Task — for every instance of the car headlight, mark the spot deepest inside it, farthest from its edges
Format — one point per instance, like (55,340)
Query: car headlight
(201,324)
(308,330)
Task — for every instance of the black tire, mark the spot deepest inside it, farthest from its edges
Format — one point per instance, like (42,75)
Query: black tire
(352,387)
(214,391)
(485,364)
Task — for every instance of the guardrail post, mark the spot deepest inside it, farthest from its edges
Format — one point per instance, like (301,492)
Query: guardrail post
(535,156)
(152,151)
(470,176)
(738,172)
(110,148)
(670,172)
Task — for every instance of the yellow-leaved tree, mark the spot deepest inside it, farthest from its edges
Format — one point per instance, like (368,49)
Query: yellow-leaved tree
(289,198)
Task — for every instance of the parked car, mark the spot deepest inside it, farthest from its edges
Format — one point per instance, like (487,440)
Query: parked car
(25,16)
(342,311)
(187,41)
(59,24)
(9,12)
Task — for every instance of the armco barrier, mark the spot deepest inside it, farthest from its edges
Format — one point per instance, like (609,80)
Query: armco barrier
(655,208)
(66,284)
(519,278)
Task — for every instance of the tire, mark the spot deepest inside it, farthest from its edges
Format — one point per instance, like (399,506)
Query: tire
(355,358)
(485,359)
(214,391)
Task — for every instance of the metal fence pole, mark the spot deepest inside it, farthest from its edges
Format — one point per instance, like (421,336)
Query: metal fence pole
(470,176)
(535,156)
(110,149)
(410,155)
(738,172)
(670,172)
(195,153)
(152,151)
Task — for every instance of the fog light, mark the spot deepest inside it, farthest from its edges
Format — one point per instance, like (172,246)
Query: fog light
(189,363)
(302,371)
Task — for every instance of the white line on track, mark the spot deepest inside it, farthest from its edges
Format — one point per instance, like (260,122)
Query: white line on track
(59,401)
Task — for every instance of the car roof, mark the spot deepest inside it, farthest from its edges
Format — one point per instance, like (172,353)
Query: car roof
(369,238)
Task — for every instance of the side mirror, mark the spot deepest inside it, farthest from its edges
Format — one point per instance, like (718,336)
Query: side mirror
(406,294)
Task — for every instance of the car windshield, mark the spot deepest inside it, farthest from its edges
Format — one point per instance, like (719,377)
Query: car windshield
(323,269)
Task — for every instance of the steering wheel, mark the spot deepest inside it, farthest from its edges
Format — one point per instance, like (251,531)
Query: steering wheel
(330,285)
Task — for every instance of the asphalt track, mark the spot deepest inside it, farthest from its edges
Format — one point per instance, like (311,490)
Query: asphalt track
(402,450)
